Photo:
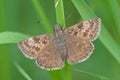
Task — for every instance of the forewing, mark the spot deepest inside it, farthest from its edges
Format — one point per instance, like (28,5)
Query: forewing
(32,46)
(78,50)
(88,29)
(50,58)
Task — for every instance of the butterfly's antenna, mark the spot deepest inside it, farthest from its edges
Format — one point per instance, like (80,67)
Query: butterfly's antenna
(67,18)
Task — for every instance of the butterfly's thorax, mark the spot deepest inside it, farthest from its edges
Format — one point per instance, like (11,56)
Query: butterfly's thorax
(60,42)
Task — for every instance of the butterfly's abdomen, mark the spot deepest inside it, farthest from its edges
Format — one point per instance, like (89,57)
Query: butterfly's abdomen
(61,47)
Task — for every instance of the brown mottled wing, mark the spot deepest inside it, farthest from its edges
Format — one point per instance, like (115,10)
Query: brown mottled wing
(78,49)
(79,39)
(50,58)
(32,46)
(88,29)
(42,48)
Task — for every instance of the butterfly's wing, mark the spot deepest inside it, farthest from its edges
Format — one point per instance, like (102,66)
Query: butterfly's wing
(78,50)
(79,39)
(42,48)
(31,46)
(88,29)
(50,58)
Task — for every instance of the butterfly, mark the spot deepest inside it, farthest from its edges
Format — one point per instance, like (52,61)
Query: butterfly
(73,44)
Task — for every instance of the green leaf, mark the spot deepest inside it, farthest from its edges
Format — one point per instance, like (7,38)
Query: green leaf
(11,37)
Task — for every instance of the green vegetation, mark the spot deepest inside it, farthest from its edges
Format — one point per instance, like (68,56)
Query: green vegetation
(19,20)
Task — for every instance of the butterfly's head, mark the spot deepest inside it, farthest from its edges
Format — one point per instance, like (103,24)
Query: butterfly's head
(58,29)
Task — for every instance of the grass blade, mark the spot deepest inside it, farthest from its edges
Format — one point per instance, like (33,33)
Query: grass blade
(22,71)
(116,12)
(42,15)
(93,75)
(11,37)
(60,12)
(61,20)
(59,7)
(105,36)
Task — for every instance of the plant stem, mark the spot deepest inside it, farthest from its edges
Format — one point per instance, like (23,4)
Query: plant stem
(59,7)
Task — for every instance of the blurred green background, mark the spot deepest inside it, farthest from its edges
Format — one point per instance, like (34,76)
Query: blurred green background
(20,18)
